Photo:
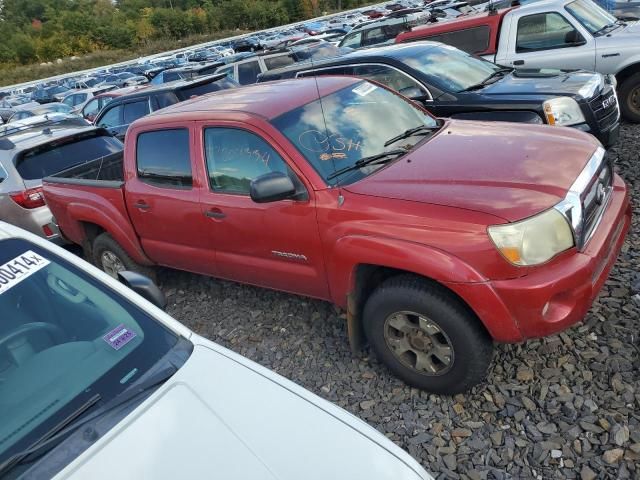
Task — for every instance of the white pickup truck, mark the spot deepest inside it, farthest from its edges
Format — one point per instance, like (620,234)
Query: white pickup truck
(564,34)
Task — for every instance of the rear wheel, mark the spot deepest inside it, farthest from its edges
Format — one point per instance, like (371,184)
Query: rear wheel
(629,94)
(426,336)
(111,258)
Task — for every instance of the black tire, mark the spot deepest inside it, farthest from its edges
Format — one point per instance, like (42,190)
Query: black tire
(104,244)
(629,97)
(459,330)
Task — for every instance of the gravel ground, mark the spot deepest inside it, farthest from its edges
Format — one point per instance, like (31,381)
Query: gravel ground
(566,406)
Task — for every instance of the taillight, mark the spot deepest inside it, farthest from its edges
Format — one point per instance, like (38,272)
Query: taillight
(30,198)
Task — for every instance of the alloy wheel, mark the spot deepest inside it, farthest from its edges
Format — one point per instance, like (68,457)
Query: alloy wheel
(419,343)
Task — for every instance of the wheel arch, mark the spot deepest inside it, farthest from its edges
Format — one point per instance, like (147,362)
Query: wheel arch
(627,71)
(89,222)
(361,263)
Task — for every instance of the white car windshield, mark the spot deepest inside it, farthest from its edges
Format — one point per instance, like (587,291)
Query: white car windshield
(64,338)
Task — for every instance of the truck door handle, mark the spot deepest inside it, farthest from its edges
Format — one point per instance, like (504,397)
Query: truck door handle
(141,205)
(215,213)
(518,62)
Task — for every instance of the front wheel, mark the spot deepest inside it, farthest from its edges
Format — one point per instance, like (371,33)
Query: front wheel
(426,336)
(629,94)
(111,258)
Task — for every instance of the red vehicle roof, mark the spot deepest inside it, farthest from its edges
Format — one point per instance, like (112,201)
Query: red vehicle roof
(492,20)
(268,100)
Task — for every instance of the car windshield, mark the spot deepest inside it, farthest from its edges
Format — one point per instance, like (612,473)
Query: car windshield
(64,338)
(447,67)
(590,15)
(344,127)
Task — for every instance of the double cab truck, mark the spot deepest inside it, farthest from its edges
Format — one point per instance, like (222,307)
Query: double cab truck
(438,237)
(566,34)
(451,83)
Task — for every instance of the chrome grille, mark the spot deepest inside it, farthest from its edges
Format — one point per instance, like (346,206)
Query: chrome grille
(605,108)
(588,197)
(596,197)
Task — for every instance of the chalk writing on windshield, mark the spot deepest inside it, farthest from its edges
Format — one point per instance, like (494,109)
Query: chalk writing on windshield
(319,142)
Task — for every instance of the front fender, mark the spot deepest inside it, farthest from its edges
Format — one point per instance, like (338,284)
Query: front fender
(351,251)
(450,271)
(110,220)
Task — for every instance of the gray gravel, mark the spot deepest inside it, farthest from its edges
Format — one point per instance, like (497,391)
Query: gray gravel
(561,407)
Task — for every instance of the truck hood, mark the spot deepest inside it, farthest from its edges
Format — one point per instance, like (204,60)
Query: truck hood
(512,171)
(544,81)
(222,416)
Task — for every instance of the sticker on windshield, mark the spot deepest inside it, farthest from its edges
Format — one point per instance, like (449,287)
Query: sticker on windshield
(21,267)
(119,337)
(364,89)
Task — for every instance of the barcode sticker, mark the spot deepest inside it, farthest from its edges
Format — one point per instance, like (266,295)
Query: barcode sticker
(21,267)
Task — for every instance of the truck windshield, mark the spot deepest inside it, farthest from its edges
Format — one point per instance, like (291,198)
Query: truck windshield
(65,337)
(447,67)
(60,155)
(351,124)
(591,16)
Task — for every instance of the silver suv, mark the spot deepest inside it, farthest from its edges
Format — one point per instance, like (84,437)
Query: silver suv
(29,153)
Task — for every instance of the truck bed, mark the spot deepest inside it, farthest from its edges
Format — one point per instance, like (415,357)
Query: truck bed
(92,193)
(106,172)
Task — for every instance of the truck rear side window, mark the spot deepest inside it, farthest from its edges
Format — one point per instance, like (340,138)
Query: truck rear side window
(470,40)
(57,156)
(163,158)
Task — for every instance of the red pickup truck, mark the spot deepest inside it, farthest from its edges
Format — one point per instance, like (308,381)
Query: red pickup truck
(438,237)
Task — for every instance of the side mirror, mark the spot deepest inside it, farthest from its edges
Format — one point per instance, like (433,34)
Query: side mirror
(144,287)
(272,187)
(413,93)
(574,38)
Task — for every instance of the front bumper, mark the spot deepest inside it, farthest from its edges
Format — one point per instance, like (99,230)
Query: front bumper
(554,296)
(608,137)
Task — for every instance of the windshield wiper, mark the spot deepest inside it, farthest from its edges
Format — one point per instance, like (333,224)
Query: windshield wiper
(371,160)
(75,420)
(420,130)
(50,435)
(498,73)
(601,31)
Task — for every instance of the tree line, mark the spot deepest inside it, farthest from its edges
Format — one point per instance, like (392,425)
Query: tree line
(44,30)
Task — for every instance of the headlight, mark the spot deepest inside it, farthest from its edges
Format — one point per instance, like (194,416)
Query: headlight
(563,111)
(534,240)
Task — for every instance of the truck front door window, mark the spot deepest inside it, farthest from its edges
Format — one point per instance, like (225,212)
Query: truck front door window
(236,157)
(545,31)
(163,158)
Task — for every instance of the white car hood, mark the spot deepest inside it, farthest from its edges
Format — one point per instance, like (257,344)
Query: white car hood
(222,416)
